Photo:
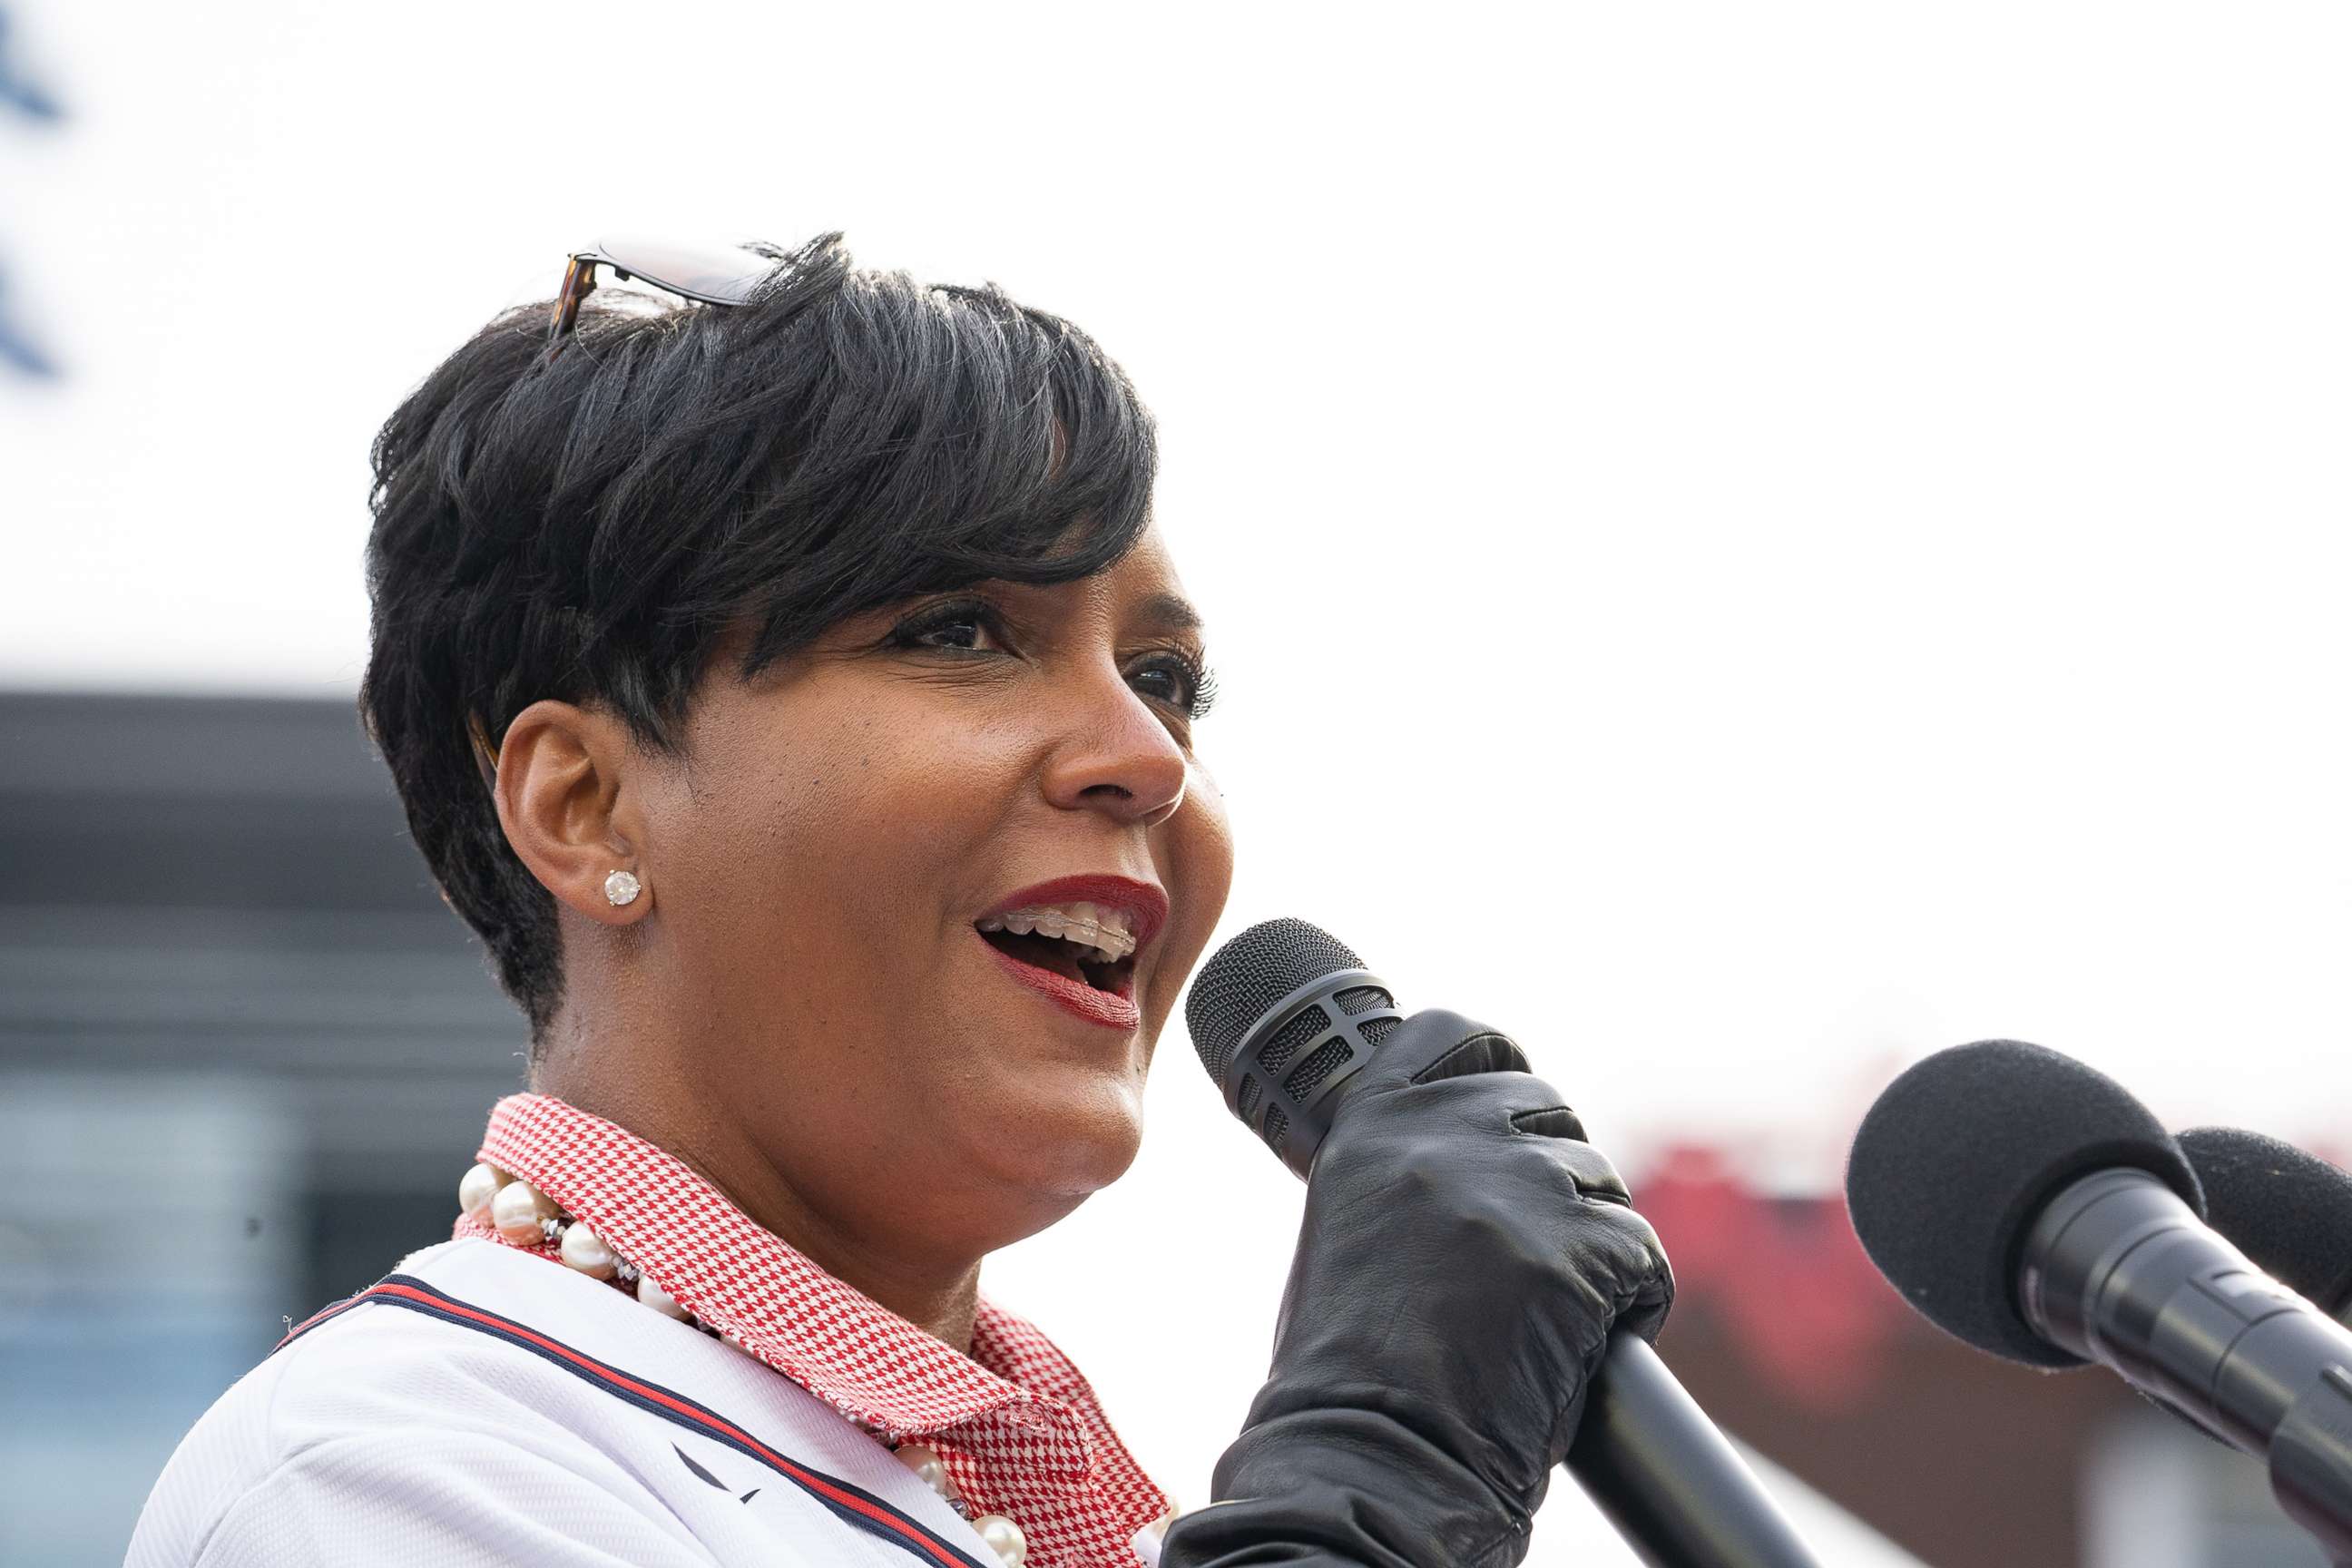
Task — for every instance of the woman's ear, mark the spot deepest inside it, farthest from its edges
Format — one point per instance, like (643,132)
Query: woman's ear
(571,809)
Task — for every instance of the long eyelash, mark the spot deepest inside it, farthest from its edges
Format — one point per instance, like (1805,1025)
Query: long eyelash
(1200,679)
(1204,695)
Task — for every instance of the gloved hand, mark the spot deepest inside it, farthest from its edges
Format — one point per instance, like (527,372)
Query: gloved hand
(1463,1256)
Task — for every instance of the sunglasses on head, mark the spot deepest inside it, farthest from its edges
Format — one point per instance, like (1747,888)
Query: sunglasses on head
(706,274)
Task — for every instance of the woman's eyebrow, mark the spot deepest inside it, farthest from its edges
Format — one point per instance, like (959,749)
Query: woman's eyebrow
(1170,612)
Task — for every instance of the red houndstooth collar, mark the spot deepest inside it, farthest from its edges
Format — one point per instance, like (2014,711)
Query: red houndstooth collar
(1017,1425)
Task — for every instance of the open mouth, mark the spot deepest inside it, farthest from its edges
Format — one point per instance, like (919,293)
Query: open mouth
(1071,960)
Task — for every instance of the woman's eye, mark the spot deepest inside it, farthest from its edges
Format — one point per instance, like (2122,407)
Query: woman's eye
(1181,680)
(957,633)
(962,628)
(1175,677)
(1164,681)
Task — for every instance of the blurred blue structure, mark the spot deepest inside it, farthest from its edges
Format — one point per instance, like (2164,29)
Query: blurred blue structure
(18,90)
(21,93)
(16,350)
(245,1054)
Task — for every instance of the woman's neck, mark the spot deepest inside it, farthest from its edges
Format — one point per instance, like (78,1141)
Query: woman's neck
(939,1294)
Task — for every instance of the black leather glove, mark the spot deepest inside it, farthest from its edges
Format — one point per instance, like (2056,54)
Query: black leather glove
(1463,1256)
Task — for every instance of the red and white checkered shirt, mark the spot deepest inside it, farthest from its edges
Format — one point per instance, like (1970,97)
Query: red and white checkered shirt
(1015,1423)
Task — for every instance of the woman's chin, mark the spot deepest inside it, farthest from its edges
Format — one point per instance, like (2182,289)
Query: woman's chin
(1062,1148)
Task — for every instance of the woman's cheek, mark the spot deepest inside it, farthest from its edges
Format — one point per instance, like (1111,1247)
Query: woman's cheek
(1204,869)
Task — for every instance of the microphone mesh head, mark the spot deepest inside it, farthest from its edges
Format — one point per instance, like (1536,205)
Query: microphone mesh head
(1250,974)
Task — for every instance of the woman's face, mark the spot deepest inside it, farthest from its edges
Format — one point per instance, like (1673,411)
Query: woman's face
(824,853)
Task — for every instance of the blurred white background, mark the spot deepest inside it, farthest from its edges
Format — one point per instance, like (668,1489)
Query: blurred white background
(1743,544)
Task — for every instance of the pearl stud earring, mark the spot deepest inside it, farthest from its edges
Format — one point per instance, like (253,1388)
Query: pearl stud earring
(621,887)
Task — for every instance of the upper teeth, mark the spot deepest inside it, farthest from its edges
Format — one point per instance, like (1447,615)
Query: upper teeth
(1107,931)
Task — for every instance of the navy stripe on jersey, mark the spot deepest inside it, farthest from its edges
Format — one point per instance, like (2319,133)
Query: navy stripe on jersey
(852,1504)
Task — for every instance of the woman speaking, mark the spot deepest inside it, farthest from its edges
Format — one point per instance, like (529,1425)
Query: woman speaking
(782,674)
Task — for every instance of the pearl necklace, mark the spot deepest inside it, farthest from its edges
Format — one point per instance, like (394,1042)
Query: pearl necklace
(526,1216)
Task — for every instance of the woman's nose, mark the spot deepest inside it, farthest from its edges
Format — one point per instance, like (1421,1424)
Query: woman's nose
(1117,757)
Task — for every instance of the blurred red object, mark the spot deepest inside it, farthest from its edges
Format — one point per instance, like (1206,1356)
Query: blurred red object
(1797,1297)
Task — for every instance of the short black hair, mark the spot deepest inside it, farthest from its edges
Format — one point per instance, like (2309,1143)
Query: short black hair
(588,528)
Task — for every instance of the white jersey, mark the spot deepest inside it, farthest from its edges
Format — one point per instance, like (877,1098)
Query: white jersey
(479,1406)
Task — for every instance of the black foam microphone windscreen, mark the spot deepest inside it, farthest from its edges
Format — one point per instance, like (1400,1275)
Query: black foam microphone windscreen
(2030,1206)
(1941,1201)
(2289,1212)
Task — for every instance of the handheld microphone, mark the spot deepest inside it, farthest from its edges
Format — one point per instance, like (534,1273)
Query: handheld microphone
(2288,1211)
(2031,1206)
(1283,1016)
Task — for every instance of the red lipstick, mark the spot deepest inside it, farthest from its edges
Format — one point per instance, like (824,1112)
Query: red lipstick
(1109,1008)
(1146,908)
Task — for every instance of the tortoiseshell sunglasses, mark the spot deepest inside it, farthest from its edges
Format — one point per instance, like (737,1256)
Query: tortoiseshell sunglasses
(706,274)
